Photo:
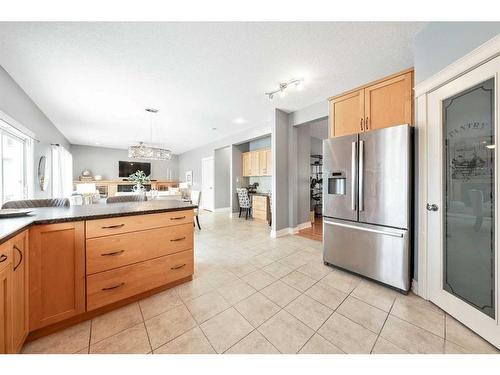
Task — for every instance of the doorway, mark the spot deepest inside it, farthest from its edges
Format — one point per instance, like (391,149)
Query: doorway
(462,210)
(207,183)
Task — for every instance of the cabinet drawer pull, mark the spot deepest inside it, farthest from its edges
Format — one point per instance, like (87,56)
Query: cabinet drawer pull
(3,258)
(178,218)
(113,287)
(177,239)
(113,226)
(177,267)
(113,253)
(21,257)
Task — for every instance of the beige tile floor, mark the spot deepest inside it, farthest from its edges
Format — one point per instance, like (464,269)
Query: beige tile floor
(255,294)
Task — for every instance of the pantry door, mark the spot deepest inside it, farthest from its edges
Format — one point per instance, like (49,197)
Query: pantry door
(462,216)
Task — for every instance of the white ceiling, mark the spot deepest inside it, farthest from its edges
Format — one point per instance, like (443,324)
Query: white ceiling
(93,80)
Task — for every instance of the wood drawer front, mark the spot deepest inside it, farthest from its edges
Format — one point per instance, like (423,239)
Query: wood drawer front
(106,253)
(125,224)
(111,286)
(259,215)
(259,203)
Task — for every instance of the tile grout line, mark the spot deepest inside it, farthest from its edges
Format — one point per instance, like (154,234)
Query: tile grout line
(381,328)
(198,326)
(145,328)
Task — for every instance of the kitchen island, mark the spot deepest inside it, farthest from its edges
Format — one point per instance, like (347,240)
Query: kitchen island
(66,265)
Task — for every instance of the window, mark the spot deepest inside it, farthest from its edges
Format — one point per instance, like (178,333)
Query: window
(16,161)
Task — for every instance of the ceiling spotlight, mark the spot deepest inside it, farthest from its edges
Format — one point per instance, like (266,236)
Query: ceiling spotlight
(214,128)
(298,83)
(239,120)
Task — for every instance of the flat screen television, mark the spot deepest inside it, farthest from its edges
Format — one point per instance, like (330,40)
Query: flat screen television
(126,168)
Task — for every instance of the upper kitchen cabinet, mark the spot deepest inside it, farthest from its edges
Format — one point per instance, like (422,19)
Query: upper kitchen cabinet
(347,114)
(257,163)
(380,104)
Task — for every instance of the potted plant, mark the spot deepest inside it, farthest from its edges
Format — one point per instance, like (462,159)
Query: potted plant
(139,178)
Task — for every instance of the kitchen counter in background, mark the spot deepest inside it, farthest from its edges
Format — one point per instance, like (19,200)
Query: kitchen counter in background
(9,227)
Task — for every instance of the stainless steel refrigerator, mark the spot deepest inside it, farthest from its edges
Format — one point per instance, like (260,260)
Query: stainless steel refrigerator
(367,204)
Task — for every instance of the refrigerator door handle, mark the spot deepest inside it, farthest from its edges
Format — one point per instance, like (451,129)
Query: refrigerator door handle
(384,232)
(353,176)
(361,189)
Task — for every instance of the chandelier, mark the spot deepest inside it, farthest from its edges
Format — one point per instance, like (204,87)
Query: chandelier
(143,151)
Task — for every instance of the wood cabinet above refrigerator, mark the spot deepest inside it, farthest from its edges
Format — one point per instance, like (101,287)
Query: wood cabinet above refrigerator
(380,104)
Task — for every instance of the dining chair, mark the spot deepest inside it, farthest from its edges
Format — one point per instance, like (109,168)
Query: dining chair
(36,203)
(244,202)
(127,198)
(195,199)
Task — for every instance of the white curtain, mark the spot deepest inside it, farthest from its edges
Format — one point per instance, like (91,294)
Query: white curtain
(62,172)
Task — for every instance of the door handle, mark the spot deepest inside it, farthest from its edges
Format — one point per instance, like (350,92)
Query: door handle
(366,123)
(361,190)
(361,124)
(113,226)
(432,207)
(353,176)
(21,257)
(378,231)
(177,239)
(178,218)
(113,287)
(177,267)
(114,253)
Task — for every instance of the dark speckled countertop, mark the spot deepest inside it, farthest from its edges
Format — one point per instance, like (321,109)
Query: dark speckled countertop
(9,227)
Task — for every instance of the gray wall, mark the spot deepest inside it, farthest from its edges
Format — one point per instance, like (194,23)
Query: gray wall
(191,160)
(441,43)
(280,141)
(222,177)
(303,173)
(18,105)
(104,161)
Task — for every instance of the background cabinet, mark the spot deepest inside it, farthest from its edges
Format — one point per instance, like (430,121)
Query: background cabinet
(257,163)
(383,103)
(56,273)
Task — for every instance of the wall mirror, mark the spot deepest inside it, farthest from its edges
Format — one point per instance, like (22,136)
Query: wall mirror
(42,173)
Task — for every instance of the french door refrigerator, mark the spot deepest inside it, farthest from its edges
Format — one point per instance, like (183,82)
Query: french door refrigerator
(367,204)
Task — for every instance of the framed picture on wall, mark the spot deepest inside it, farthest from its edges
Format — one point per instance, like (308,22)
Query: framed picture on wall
(189,177)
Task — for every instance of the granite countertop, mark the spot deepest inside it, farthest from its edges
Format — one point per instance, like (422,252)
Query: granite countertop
(9,227)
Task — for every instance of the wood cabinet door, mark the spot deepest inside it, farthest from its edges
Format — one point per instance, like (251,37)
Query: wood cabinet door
(262,162)
(56,272)
(5,304)
(389,102)
(20,322)
(347,114)
(246,164)
(269,163)
(254,163)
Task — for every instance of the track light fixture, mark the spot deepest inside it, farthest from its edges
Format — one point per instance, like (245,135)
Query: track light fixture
(298,83)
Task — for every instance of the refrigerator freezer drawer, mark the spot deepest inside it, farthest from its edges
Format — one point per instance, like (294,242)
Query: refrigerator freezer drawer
(380,253)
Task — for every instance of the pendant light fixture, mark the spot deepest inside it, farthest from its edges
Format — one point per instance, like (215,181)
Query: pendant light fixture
(145,152)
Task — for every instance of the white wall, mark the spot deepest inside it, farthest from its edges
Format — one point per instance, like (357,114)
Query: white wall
(222,177)
(18,105)
(104,161)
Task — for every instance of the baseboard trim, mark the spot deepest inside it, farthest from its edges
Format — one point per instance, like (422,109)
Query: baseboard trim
(414,286)
(290,230)
(280,233)
(305,225)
